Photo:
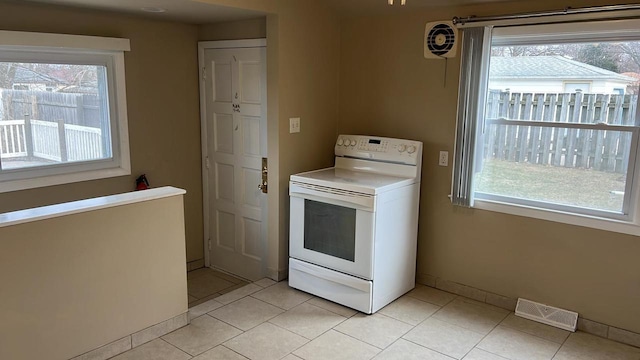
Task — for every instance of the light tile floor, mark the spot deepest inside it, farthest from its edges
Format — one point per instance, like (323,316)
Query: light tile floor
(268,320)
(205,284)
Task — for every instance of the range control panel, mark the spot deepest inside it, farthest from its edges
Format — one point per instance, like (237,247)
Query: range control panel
(379,148)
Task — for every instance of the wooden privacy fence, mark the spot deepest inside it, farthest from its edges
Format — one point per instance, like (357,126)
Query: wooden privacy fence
(575,130)
(76,109)
(55,141)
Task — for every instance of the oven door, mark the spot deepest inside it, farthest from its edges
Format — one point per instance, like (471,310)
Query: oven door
(332,228)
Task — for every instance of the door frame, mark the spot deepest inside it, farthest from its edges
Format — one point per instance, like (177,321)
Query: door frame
(202,46)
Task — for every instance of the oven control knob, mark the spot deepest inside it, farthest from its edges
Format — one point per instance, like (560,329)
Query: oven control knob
(411,149)
(402,148)
(340,142)
(353,142)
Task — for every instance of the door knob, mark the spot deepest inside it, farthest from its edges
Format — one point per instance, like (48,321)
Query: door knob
(263,187)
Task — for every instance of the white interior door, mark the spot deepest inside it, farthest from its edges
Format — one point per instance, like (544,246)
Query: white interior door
(235,112)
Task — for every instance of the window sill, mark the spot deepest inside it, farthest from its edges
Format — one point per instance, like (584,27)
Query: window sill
(619,226)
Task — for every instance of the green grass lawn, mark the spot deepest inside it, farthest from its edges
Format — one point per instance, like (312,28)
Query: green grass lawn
(567,186)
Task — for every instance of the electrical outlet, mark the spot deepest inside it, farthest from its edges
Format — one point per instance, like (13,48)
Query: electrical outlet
(443,160)
(294,125)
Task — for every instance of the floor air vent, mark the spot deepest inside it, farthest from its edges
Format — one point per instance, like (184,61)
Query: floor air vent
(563,319)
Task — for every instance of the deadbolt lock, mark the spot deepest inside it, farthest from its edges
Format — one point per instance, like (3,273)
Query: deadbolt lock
(265,172)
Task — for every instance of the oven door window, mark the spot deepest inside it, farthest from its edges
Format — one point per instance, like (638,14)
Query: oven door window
(330,229)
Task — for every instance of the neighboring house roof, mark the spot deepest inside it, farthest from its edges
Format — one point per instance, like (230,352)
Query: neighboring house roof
(634,75)
(549,67)
(75,89)
(26,76)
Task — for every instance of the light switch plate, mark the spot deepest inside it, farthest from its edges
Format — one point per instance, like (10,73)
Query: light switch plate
(294,125)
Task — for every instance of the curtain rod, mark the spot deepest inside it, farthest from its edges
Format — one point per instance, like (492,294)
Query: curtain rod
(529,17)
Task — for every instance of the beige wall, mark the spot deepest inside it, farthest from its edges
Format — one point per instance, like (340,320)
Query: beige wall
(162,102)
(387,88)
(308,75)
(234,30)
(303,47)
(74,283)
(303,68)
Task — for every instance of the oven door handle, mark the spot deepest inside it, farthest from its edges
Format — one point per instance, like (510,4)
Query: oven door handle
(360,202)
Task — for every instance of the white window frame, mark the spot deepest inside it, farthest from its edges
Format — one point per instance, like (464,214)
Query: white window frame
(74,49)
(629,222)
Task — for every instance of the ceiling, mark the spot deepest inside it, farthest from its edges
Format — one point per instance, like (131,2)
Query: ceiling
(196,12)
(362,7)
(187,11)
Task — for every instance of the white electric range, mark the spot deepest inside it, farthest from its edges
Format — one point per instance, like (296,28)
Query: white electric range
(353,227)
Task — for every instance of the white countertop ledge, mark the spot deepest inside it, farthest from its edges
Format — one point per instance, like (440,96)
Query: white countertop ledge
(75,207)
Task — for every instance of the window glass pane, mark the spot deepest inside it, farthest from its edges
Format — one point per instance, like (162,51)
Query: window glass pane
(579,83)
(330,229)
(599,68)
(52,114)
(591,175)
